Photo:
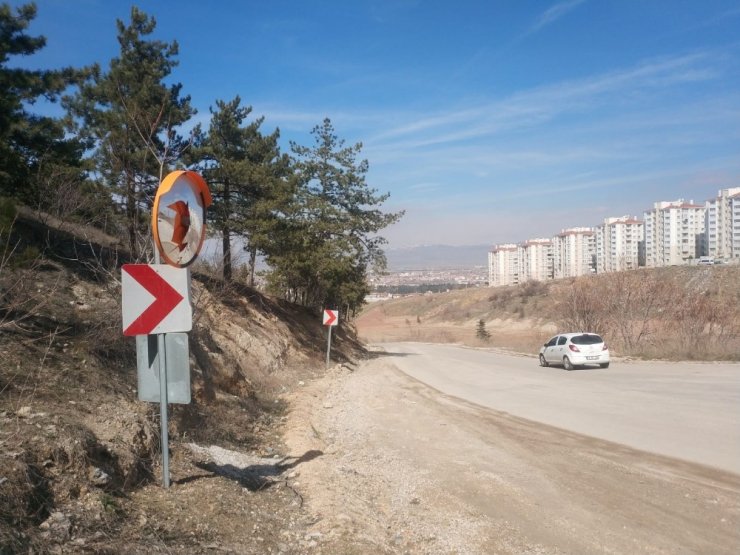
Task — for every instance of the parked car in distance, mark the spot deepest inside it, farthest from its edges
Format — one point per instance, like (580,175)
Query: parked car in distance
(575,349)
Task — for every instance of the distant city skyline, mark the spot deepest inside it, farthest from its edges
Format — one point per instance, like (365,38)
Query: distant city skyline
(671,233)
(487,121)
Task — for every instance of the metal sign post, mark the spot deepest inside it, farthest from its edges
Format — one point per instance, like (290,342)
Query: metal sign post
(331,319)
(328,347)
(169,311)
(178,227)
(163,417)
(178,230)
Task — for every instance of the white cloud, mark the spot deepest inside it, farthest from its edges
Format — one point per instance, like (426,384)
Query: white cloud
(540,105)
(554,13)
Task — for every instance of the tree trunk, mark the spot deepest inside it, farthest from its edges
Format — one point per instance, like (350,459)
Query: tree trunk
(226,243)
(252,262)
(226,233)
(131,218)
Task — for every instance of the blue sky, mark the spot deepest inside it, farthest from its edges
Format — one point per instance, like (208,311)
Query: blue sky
(487,121)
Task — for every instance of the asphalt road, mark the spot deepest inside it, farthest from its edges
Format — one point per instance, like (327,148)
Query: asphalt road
(689,411)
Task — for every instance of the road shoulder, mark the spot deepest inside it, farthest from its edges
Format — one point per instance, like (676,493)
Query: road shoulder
(406,469)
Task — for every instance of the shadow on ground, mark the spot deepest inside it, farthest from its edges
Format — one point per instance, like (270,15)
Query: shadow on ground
(254,477)
(379,354)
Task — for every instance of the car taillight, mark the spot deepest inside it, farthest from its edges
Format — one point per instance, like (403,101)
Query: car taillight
(574,348)
(605,348)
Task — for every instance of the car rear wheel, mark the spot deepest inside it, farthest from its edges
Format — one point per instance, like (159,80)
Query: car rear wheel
(604,365)
(543,362)
(567,364)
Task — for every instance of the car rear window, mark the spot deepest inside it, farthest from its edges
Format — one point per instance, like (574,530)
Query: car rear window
(586,339)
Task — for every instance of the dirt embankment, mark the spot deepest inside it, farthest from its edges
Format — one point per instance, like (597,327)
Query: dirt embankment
(514,318)
(80,455)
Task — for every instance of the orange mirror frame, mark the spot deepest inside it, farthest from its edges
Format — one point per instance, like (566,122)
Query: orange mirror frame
(179,217)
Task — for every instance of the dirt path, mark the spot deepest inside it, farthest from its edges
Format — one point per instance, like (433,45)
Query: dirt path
(405,469)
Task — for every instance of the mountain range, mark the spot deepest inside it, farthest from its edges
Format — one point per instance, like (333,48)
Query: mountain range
(437,257)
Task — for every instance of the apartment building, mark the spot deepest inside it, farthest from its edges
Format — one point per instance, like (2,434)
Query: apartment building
(503,265)
(674,233)
(574,252)
(735,226)
(536,260)
(620,244)
(722,226)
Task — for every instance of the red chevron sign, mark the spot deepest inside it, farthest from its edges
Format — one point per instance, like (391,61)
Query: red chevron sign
(156,299)
(331,317)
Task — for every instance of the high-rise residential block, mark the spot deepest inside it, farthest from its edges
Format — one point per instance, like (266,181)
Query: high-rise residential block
(504,265)
(674,233)
(620,244)
(574,252)
(536,260)
(722,226)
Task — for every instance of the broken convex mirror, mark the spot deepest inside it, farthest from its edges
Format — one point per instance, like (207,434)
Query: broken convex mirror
(179,217)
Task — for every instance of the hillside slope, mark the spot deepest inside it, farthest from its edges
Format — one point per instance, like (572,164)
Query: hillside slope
(79,454)
(690,312)
(517,318)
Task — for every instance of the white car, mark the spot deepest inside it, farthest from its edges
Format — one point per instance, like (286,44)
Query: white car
(575,349)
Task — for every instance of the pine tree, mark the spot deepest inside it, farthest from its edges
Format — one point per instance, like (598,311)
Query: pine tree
(481,332)
(246,174)
(30,144)
(330,232)
(133,116)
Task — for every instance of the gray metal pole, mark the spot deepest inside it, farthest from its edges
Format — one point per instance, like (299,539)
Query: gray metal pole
(328,347)
(163,410)
(163,420)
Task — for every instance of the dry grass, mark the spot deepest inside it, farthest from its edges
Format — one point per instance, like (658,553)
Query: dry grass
(666,313)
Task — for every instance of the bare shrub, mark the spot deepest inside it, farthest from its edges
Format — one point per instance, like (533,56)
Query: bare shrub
(500,299)
(655,313)
(632,302)
(533,289)
(704,324)
(581,308)
(66,197)
(19,300)
(102,335)
(626,307)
